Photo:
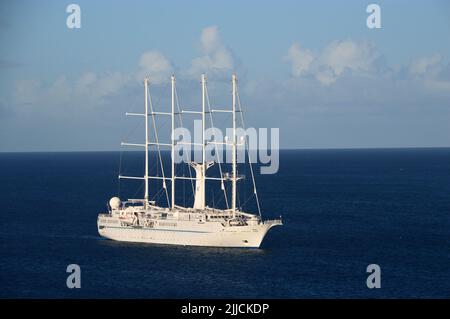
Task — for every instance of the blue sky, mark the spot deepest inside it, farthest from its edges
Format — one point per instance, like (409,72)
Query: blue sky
(312,68)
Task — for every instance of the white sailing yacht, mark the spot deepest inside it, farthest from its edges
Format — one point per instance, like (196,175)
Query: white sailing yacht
(142,220)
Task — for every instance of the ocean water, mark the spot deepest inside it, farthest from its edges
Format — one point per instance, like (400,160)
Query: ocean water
(342,209)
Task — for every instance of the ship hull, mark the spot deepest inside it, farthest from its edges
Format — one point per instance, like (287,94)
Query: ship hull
(187,234)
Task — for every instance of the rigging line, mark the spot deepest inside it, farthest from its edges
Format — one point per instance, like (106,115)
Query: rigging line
(220,198)
(248,153)
(120,169)
(157,195)
(164,89)
(136,126)
(159,150)
(124,164)
(184,192)
(188,157)
(138,190)
(247,200)
(238,198)
(215,146)
(187,154)
(227,188)
(184,188)
(155,166)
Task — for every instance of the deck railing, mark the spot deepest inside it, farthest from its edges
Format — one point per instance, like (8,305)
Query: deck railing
(274,221)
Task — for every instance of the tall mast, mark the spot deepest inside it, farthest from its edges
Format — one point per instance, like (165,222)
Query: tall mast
(173,144)
(146,143)
(233,200)
(203,137)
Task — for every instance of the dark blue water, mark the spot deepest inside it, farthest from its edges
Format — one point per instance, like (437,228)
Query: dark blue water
(343,210)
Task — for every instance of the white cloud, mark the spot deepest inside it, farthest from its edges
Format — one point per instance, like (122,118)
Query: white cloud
(300,58)
(216,57)
(432,72)
(342,55)
(27,91)
(60,91)
(86,80)
(100,86)
(424,64)
(90,90)
(155,66)
(336,58)
(326,76)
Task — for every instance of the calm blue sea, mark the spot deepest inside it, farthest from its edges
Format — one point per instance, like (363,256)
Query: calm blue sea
(342,209)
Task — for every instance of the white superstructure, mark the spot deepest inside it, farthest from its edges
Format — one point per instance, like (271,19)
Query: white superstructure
(142,220)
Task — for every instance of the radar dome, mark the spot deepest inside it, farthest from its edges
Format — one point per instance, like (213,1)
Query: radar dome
(115,202)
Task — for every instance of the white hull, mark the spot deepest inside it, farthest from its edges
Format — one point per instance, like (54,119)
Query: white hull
(186,233)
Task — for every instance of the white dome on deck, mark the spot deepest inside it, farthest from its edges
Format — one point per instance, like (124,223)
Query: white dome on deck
(115,202)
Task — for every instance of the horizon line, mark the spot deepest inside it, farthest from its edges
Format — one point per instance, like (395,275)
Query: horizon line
(281,149)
